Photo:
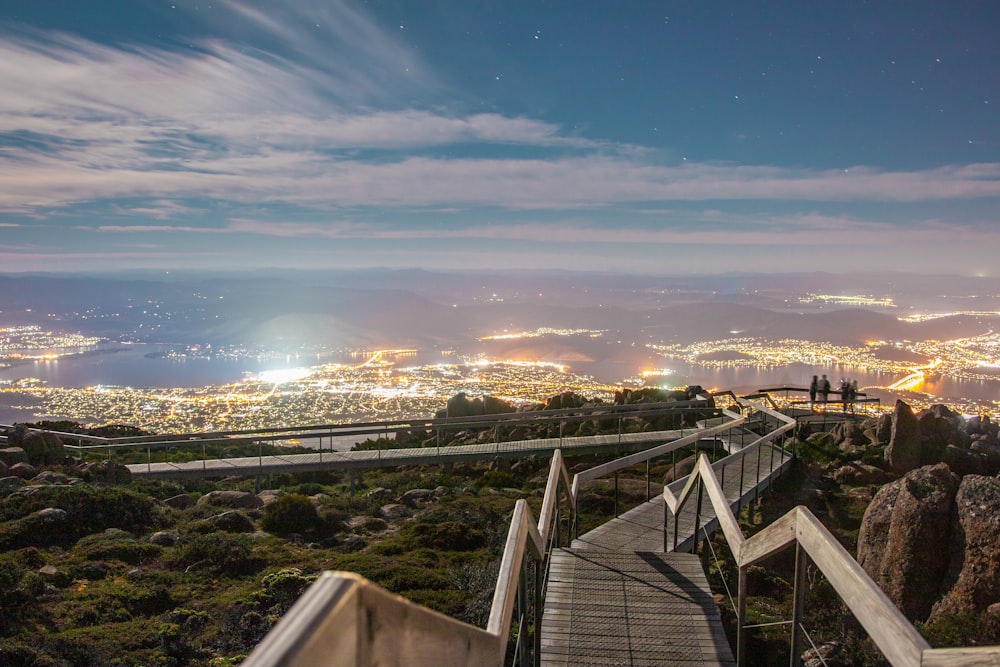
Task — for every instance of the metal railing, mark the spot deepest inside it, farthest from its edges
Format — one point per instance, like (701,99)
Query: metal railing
(898,640)
(208,446)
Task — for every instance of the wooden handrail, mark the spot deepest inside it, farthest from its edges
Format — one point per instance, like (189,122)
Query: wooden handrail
(895,636)
(344,620)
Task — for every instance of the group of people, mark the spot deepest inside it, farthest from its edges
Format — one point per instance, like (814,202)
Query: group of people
(821,387)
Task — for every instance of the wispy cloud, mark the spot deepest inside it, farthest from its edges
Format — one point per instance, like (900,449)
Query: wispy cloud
(303,125)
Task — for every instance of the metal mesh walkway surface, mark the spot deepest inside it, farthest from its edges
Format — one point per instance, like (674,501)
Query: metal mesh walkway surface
(617,598)
(638,608)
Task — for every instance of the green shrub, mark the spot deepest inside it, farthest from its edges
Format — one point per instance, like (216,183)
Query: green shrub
(292,513)
(498,479)
(89,509)
(447,536)
(228,553)
(120,546)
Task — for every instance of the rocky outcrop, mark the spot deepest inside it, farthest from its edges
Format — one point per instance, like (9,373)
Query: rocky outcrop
(848,436)
(903,452)
(973,576)
(903,538)
(460,405)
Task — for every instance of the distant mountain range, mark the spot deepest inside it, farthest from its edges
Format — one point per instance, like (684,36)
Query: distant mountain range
(418,308)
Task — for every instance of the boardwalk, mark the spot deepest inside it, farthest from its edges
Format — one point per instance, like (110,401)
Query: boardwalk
(257,465)
(616,597)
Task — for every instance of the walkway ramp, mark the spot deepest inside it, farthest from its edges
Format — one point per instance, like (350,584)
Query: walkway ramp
(639,608)
(621,594)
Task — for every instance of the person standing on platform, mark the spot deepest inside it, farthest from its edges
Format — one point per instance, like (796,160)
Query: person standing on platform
(813,388)
(824,391)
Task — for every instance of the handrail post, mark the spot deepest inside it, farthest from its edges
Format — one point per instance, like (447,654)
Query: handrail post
(647,481)
(799,593)
(741,618)
(666,523)
(616,494)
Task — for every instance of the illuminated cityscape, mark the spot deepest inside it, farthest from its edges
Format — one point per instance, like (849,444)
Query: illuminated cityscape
(398,382)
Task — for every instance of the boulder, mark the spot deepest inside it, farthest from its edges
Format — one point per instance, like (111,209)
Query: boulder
(901,544)
(394,512)
(23,470)
(415,497)
(179,502)
(4,470)
(54,478)
(380,493)
(164,538)
(9,485)
(963,462)
(974,573)
(12,455)
(43,448)
(903,453)
(108,472)
(268,496)
(233,499)
(859,474)
(48,515)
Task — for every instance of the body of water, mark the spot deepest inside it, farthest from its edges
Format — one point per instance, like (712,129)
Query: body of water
(144,366)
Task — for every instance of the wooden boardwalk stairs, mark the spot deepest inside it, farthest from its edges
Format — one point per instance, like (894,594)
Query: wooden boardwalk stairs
(622,594)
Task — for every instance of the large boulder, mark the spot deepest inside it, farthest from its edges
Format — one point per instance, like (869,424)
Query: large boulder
(974,573)
(903,535)
(43,448)
(903,452)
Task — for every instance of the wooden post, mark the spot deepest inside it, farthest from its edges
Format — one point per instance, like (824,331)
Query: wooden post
(647,481)
(799,591)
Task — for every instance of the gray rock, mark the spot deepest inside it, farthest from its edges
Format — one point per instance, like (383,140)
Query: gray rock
(53,478)
(49,515)
(414,497)
(43,448)
(974,568)
(380,493)
(394,512)
(900,528)
(9,485)
(857,474)
(12,455)
(23,470)
(163,538)
(108,472)
(233,499)
(268,496)
(903,453)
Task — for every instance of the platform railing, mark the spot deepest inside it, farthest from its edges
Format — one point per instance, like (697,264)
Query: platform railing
(891,632)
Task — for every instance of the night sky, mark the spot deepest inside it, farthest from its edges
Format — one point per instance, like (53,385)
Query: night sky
(647,137)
